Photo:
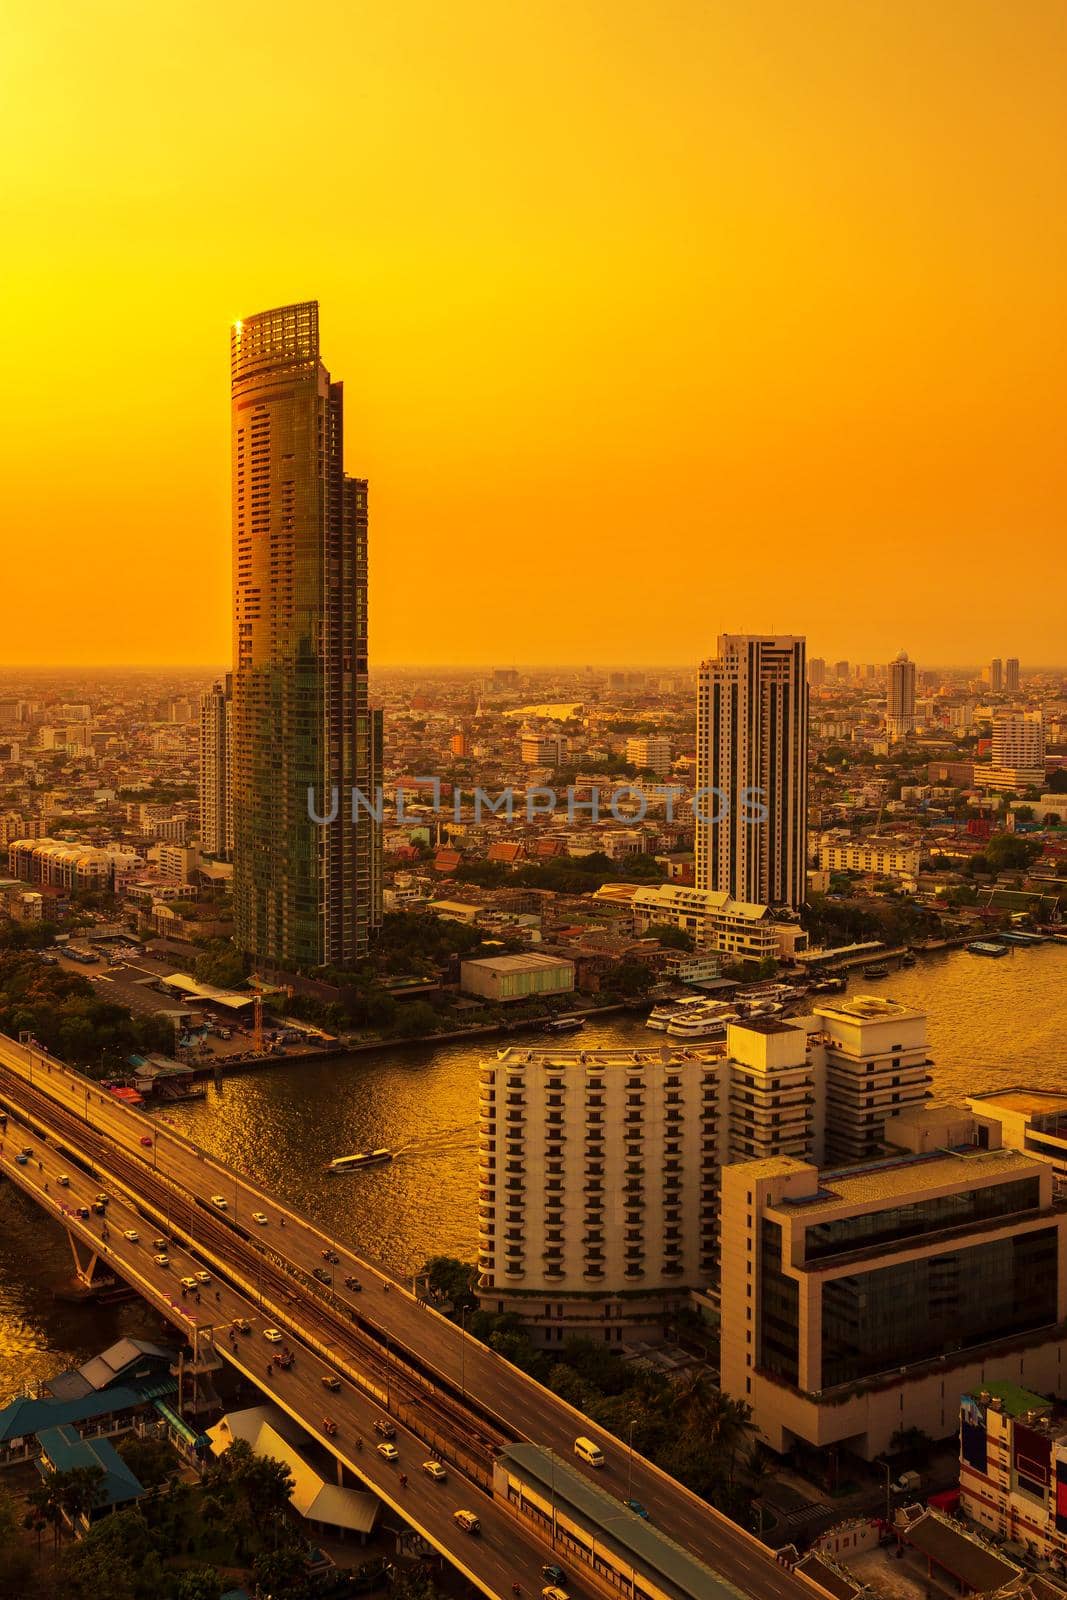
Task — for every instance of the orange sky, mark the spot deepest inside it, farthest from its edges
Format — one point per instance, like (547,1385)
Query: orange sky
(655,317)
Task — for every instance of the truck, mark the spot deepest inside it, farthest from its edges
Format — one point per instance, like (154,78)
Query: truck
(907,1483)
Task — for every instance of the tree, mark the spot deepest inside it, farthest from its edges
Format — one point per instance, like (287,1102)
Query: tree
(152,1461)
(1057,783)
(199,1583)
(450,1279)
(673,938)
(16,1562)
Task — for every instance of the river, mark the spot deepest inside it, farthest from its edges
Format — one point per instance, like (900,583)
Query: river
(991,1023)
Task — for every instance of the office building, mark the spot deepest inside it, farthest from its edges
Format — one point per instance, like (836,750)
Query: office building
(1031,1120)
(994,675)
(752,770)
(306,891)
(216,796)
(1011,674)
(816,672)
(543,749)
(900,716)
(863,1301)
(650,752)
(1017,758)
(841,671)
(518,977)
(1013,1469)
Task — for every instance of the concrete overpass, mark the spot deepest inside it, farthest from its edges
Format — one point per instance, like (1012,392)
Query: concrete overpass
(446,1392)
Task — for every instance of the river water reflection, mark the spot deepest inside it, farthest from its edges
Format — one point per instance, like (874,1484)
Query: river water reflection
(990,1023)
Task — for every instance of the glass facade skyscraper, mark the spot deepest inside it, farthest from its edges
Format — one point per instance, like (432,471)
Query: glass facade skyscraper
(306,893)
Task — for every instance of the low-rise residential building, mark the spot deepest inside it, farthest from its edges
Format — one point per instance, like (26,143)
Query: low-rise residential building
(889,858)
(860,1301)
(714,921)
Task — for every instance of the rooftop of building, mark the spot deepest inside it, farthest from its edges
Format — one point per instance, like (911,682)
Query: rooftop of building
(1031,1102)
(896,1178)
(66,1451)
(1015,1401)
(868,1008)
(662,1056)
(518,963)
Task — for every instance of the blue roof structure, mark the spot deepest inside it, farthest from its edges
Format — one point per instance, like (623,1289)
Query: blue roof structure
(23,1417)
(64,1449)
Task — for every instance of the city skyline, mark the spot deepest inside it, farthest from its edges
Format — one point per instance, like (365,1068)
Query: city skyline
(753,293)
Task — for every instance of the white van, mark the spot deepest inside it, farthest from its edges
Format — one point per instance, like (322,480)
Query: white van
(589,1452)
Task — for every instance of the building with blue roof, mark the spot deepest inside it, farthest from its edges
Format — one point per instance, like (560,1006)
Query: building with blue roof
(64,1450)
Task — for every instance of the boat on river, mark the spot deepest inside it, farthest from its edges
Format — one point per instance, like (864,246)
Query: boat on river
(362,1158)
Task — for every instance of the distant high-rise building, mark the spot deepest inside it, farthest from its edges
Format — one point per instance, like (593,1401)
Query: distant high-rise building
(1017,759)
(816,672)
(460,745)
(900,699)
(216,805)
(1011,674)
(306,892)
(841,671)
(752,766)
(652,751)
(995,675)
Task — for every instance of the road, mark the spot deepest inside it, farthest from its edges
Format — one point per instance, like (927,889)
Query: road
(504,1553)
(481,1379)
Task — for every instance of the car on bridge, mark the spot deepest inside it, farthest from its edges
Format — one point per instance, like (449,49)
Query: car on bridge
(638,1509)
(240,1325)
(146,1140)
(434,1470)
(63,1181)
(131,1234)
(161,1259)
(220,1202)
(388,1452)
(467,1521)
(260,1218)
(21,1159)
(383,1429)
(160,1243)
(190,1283)
(322,1275)
(272,1335)
(331,1381)
(552,1591)
(553,1572)
(203,1277)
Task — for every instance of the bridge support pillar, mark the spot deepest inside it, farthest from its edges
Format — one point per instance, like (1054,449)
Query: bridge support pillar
(340,1473)
(83,1271)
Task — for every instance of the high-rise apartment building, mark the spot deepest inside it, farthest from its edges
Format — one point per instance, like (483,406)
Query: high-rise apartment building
(995,675)
(306,892)
(1017,759)
(859,1302)
(652,751)
(816,672)
(216,805)
(841,671)
(900,699)
(1011,674)
(752,769)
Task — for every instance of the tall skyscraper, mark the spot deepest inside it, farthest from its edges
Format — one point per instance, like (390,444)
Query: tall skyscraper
(752,735)
(1011,674)
(900,698)
(305,892)
(816,672)
(216,803)
(1018,753)
(996,675)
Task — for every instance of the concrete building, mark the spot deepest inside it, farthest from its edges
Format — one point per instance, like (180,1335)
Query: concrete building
(596,1192)
(861,1301)
(216,795)
(816,672)
(752,770)
(877,1067)
(1013,1469)
(543,749)
(66,865)
(652,751)
(715,921)
(994,675)
(900,718)
(889,858)
(306,891)
(177,863)
(520,977)
(1017,757)
(1011,675)
(1031,1120)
